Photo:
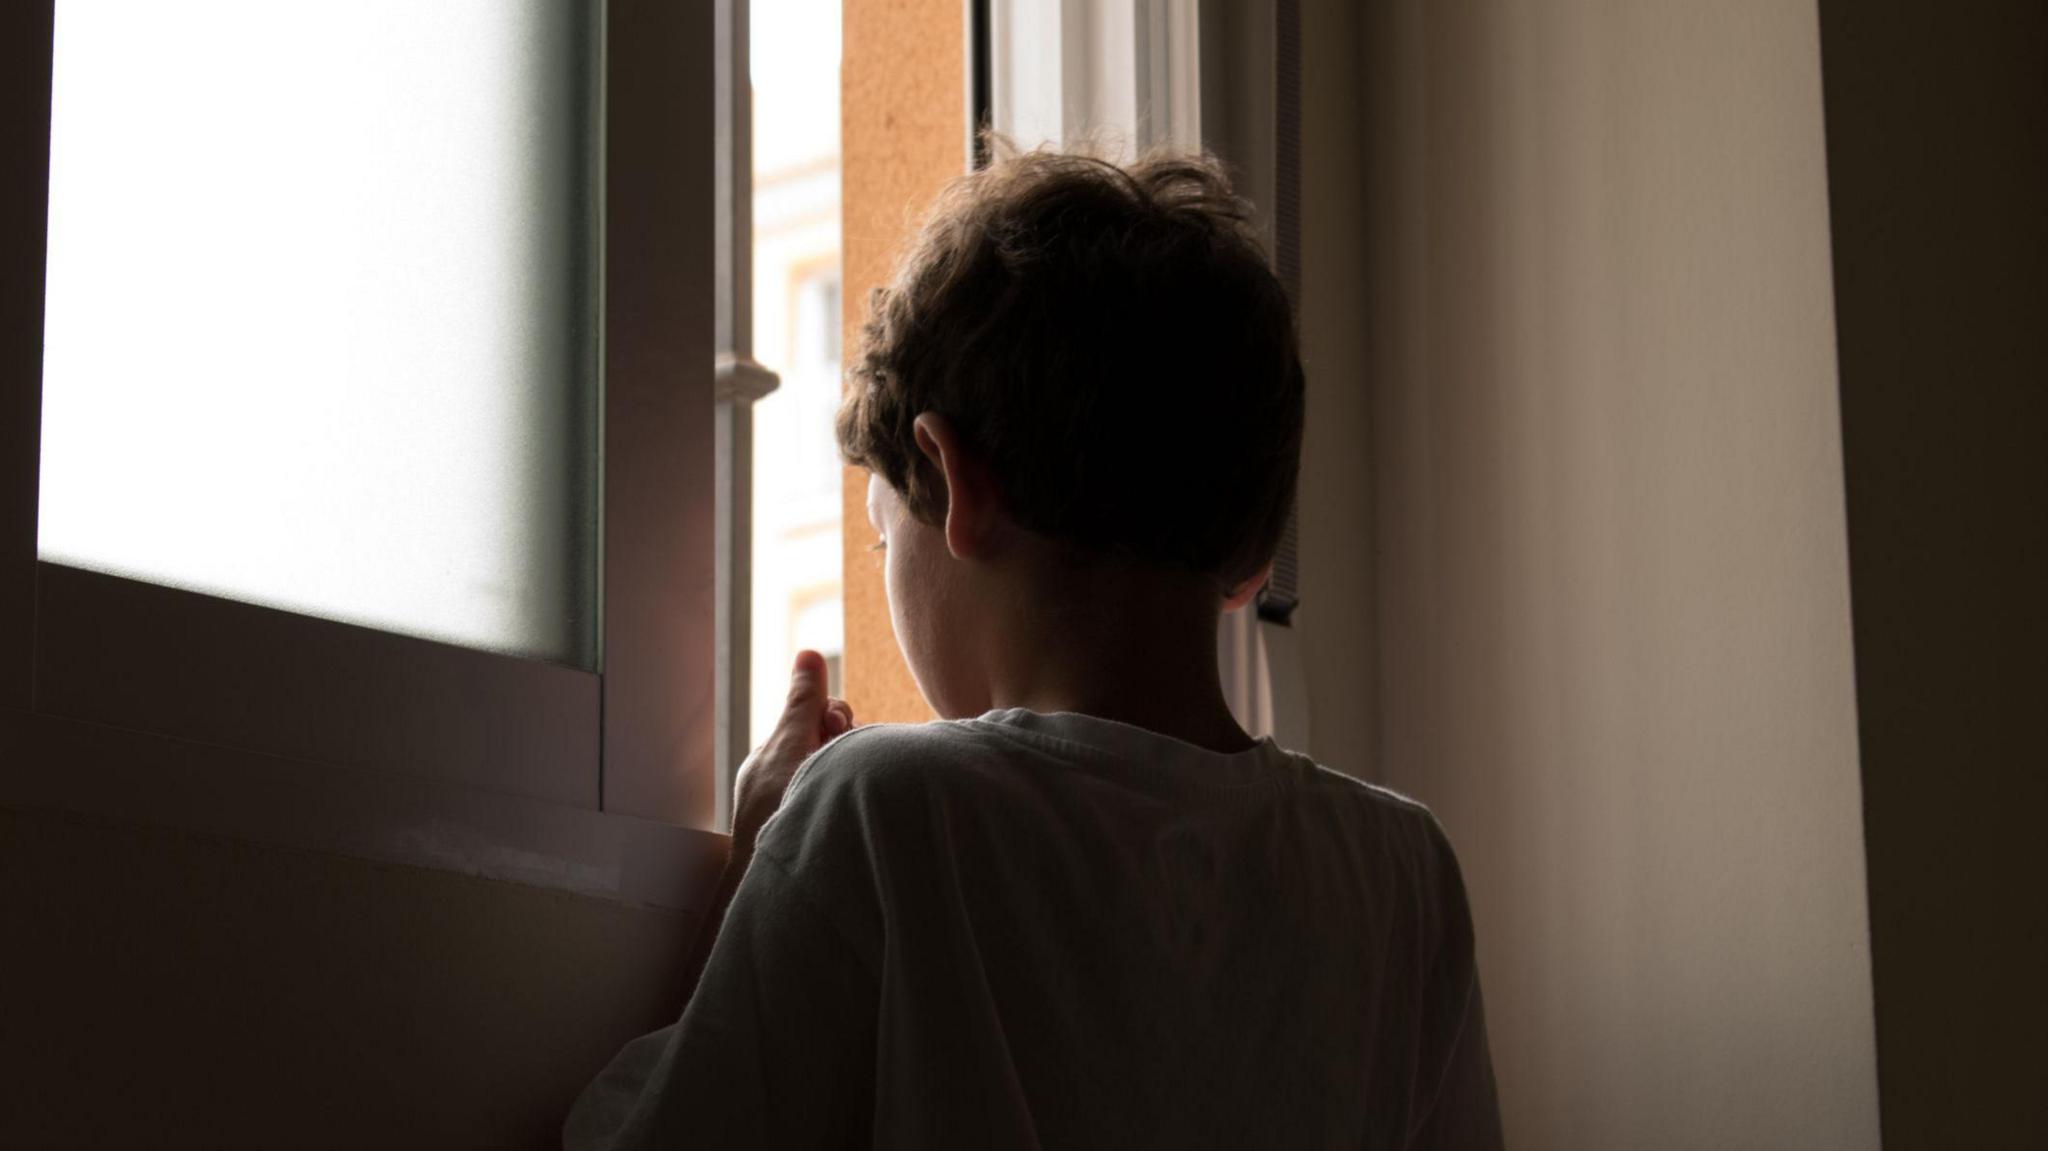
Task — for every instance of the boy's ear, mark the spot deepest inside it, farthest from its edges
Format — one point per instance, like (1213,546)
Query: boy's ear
(1242,594)
(970,503)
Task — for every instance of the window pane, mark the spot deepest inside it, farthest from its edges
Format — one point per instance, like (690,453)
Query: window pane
(319,329)
(795,69)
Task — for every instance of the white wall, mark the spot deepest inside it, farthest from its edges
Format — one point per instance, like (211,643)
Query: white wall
(1568,275)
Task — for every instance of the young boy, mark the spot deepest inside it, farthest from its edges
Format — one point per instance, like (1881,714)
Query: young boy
(1085,908)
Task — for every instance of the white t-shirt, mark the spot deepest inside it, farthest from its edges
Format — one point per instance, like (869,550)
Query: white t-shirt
(1026,931)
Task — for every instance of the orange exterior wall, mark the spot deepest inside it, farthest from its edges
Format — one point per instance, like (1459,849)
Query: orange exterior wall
(903,135)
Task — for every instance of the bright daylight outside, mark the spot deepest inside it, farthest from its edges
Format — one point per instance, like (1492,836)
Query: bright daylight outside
(796,590)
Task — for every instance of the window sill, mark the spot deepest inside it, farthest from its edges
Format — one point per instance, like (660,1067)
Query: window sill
(96,770)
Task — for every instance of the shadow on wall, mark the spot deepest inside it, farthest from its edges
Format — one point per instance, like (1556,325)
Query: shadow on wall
(160,982)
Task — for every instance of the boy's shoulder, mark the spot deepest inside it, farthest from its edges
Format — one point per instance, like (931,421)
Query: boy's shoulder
(884,760)
(877,747)
(893,759)
(879,762)
(877,790)
(1373,795)
(878,782)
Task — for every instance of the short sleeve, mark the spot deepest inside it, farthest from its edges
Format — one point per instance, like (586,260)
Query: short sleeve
(776,1048)
(1460,1110)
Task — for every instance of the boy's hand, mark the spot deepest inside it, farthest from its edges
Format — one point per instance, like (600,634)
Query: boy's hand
(810,720)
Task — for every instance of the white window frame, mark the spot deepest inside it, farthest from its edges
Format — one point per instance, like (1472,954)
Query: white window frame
(1064,71)
(742,382)
(135,701)
(1129,75)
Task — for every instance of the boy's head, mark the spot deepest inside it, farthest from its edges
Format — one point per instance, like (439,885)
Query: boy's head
(1108,360)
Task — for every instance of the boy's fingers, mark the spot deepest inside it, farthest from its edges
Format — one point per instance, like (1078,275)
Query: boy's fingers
(805,710)
(838,716)
(807,681)
(808,720)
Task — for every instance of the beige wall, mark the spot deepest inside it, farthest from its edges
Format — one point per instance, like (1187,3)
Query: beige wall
(168,989)
(1610,599)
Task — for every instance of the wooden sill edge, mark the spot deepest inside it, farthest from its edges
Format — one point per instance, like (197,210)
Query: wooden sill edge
(53,763)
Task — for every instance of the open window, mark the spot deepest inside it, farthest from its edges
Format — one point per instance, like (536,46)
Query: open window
(428,388)
(780,540)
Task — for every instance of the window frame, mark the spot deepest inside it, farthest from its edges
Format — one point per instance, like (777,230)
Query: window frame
(297,729)
(741,382)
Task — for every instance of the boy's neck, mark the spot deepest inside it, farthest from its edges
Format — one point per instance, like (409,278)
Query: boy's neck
(1213,728)
(1125,650)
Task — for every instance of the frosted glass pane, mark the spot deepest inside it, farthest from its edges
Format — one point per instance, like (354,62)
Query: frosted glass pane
(319,328)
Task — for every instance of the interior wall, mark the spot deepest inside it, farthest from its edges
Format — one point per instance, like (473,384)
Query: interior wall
(1612,583)
(169,989)
(1938,189)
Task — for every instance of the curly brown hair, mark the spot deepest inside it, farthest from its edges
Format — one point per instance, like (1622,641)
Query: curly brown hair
(1112,342)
